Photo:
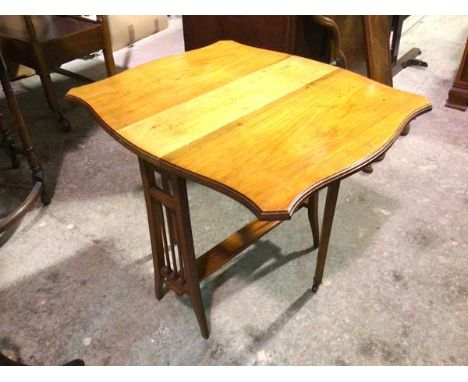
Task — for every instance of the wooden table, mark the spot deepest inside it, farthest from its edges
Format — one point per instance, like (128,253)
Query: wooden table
(266,128)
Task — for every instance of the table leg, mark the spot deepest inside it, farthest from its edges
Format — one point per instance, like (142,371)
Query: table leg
(152,207)
(330,204)
(185,244)
(171,237)
(312,210)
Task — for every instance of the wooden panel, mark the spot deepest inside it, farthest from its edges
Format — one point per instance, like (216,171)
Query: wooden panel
(290,34)
(378,49)
(268,32)
(186,122)
(353,41)
(267,134)
(141,92)
(277,153)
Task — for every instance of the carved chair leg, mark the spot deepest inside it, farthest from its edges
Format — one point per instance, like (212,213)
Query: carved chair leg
(42,68)
(312,211)
(171,238)
(51,97)
(107,49)
(330,204)
(26,142)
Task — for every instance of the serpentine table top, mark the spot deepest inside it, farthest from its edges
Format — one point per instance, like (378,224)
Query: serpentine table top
(263,127)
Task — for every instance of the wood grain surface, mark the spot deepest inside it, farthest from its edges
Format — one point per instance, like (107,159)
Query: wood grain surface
(265,128)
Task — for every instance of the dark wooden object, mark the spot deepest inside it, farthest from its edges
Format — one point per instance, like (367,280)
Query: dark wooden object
(407,59)
(46,42)
(458,94)
(289,34)
(362,38)
(27,150)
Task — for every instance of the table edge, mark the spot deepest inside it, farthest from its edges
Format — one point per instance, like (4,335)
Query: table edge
(235,194)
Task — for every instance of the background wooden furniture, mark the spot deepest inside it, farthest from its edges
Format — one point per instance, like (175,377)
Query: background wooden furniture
(458,94)
(46,42)
(38,189)
(299,35)
(266,128)
(407,59)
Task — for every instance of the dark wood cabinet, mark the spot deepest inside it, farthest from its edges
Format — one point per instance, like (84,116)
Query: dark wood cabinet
(297,35)
(458,94)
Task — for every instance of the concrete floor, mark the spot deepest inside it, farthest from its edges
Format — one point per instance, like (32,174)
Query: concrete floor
(76,277)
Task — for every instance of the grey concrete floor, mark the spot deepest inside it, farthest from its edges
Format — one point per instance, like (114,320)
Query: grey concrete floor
(76,277)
